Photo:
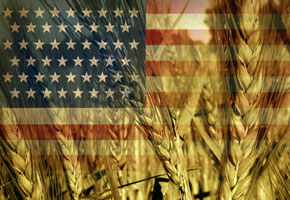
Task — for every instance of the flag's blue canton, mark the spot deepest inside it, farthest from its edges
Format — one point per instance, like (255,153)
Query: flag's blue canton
(72,54)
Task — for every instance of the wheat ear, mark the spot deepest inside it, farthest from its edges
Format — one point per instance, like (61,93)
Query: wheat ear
(18,162)
(118,147)
(68,152)
(209,106)
(236,174)
(165,141)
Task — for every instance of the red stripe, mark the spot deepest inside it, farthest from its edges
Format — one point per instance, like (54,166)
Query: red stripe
(195,37)
(168,68)
(170,37)
(210,68)
(96,132)
(199,6)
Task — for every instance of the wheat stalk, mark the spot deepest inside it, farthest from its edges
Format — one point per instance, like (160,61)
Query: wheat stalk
(165,141)
(236,174)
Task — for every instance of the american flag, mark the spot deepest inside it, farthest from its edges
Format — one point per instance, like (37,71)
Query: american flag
(69,64)
(87,77)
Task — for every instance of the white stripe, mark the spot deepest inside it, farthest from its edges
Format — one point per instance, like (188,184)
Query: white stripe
(122,116)
(208,21)
(213,52)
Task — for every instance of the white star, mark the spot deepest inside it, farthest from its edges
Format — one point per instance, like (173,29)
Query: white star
(54,77)
(78,61)
(86,77)
(94,93)
(125,27)
(87,12)
(46,93)
(70,13)
(7,77)
(30,93)
(117,77)
(23,77)
(86,44)
(7,12)
(102,13)
(15,93)
(94,27)
(7,44)
(46,61)
(62,61)
(39,77)
(102,44)
(30,27)
(54,44)
(54,12)
(125,93)
(109,61)
(46,27)
(134,44)
(70,44)
(102,77)
(134,77)
(94,61)
(30,61)
(78,27)
(62,93)
(134,12)
(118,12)
(62,28)
(39,44)
(14,27)
(78,93)
(15,61)
(118,44)
(39,12)
(109,93)
(23,44)
(125,61)
(70,77)
(109,27)
(23,12)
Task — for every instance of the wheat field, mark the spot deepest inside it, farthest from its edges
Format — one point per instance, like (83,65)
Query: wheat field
(229,142)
